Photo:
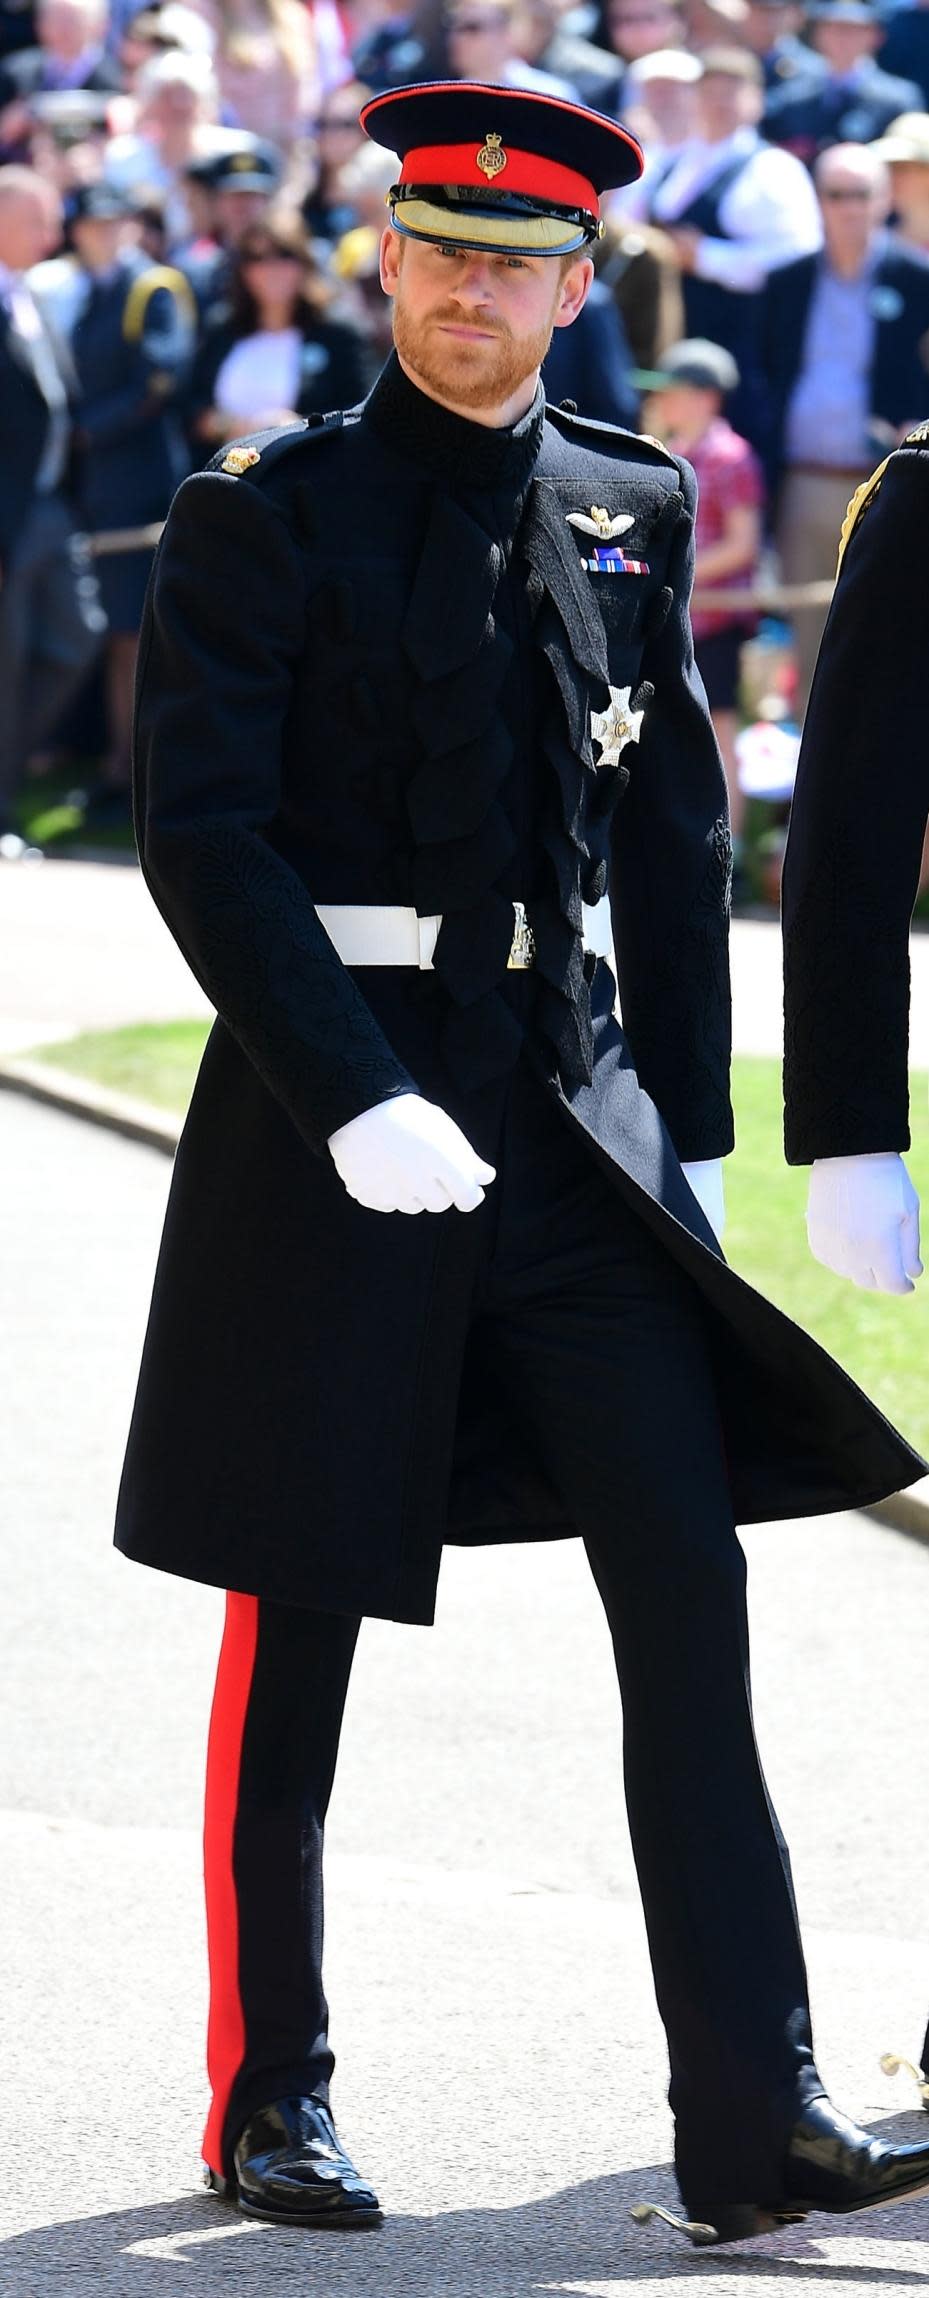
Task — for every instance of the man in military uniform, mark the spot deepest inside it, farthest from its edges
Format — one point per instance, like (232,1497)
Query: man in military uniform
(132,331)
(417,684)
(851,874)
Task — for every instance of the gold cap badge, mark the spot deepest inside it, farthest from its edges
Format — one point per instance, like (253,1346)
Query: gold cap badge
(491,158)
(240,459)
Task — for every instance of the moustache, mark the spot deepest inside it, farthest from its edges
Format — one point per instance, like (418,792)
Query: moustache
(487,326)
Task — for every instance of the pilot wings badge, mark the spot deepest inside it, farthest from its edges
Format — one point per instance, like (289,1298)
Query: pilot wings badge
(600,525)
(613,728)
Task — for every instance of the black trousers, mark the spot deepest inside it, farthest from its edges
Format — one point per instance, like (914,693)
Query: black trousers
(595,1338)
(51,629)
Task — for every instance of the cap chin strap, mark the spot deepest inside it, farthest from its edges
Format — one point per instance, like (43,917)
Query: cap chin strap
(477,229)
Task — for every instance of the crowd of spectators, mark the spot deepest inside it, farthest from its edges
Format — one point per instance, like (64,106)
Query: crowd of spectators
(189,224)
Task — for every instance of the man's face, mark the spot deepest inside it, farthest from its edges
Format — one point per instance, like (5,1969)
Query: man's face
(910,181)
(853,204)
(726,103)
(682,410)
(173,110)
(638,27)
(843,45)
(98,240)
(670,107)
(236,211)
(30,226)
(481,39)
(764,25)
(66,28)
(472,328)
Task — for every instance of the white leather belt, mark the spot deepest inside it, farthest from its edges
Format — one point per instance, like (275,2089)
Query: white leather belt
(367,933)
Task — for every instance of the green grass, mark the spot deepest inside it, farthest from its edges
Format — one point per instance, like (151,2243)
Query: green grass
(157,1061)
(48,813)
(883,1342)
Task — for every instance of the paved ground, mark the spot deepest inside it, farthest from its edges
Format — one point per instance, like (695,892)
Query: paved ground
(501,2064)
(82,946)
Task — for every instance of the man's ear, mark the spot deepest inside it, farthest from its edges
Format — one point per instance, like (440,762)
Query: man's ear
(575,288)
(390,257)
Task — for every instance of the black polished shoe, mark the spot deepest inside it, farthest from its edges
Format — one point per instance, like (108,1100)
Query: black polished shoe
(290,2168)
(830,2164)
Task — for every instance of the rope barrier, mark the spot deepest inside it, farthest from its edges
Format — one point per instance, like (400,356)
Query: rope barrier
(765,598)
(105,545)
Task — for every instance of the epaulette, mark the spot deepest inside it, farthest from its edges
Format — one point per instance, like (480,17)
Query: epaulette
(144,287)
(918,437)
(589,430)
(861,501)
(241,460)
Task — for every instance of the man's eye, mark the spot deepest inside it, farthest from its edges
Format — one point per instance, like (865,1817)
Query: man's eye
(515,263)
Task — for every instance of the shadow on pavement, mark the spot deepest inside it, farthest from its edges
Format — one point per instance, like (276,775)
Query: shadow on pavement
(577,2240)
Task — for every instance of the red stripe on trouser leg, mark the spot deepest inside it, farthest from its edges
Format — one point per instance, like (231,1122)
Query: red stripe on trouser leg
(225,2047)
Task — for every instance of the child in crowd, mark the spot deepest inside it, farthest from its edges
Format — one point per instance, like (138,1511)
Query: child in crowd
(695,380)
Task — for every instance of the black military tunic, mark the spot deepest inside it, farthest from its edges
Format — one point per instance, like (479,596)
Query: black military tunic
(375,668)
(858,820)
(855,846)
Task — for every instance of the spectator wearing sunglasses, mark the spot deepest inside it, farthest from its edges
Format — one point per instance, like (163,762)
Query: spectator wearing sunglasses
(845,353)
(277,355)
(338,138)
(485,42)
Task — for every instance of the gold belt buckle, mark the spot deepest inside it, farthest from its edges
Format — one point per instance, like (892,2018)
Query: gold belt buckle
(522,946)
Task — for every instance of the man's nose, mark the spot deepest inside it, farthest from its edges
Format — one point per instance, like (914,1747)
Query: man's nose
(474,284)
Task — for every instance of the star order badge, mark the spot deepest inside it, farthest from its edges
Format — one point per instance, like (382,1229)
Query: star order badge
(613,728)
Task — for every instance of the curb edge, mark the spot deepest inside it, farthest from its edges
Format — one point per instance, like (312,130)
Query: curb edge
(78,1097)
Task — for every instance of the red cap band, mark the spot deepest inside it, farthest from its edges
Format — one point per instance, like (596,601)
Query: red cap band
(525,172)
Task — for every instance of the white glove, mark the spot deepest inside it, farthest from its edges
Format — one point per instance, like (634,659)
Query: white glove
(406,1156)
(706,1181)
(862,1220)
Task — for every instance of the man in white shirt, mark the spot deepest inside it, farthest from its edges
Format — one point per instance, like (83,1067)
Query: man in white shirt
(51,622)
(845,351)
(736,209)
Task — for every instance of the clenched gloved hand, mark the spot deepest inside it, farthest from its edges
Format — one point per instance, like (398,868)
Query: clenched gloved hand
(862,1220)
(406,1156)
(706,1180)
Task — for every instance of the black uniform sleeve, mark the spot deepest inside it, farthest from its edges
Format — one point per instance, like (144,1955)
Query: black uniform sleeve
(224,628)
(853,852)
(670,884)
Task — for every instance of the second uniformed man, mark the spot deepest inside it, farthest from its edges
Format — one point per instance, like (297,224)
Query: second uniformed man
(851,876)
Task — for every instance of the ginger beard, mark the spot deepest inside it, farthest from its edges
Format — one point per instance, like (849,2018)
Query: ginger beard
(481,374)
